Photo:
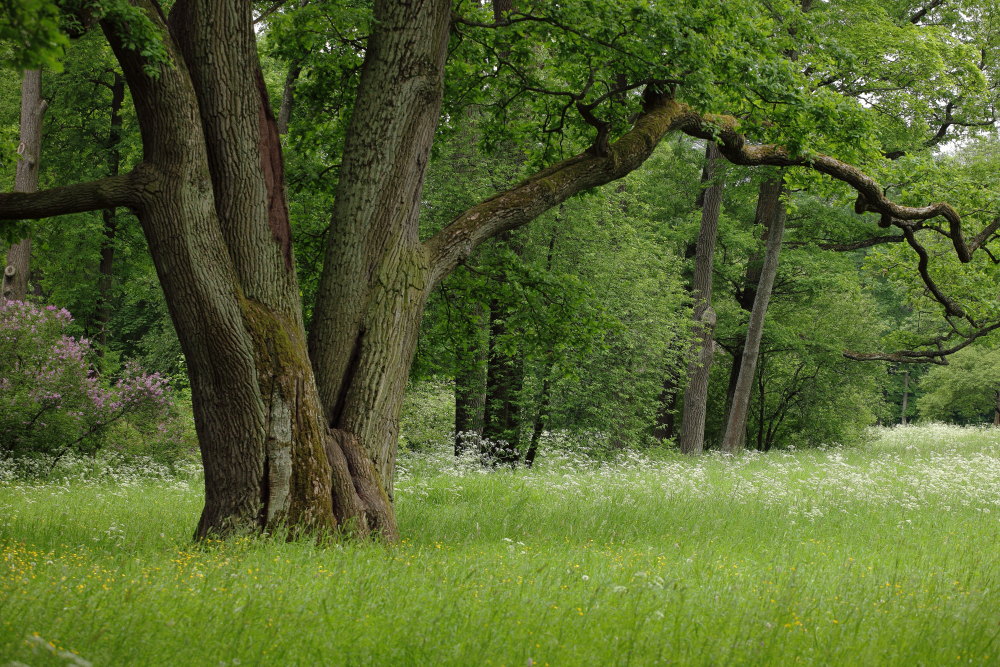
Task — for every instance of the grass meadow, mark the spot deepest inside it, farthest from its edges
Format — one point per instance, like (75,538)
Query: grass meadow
(882,554)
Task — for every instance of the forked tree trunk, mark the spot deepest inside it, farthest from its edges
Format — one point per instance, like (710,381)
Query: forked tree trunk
(18,264)
(375,280)
(771,211)
(695,406)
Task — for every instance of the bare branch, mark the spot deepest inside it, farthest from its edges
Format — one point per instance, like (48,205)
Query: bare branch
(950,307)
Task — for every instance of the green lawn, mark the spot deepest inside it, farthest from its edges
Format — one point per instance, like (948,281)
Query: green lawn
(883,554)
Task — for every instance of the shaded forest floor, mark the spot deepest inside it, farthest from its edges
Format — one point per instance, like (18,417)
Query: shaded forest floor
(879,554)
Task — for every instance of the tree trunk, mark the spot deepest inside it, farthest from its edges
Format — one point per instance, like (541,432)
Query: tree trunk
(745,298)
(18,265)
(541,417)
(376,276)
(906,397)
(996,411)
(471,358)
(504,381)
(771,211)
(695,406)
(109,216)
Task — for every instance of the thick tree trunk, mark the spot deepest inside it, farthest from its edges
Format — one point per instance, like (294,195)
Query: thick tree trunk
(18,264)
(376,276)
(772,210)
(109,216)
(471,358)
(209,199)
(695,406)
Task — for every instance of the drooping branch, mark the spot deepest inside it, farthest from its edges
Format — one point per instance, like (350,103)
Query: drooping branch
(938,355)
(111,192)
(871,197)
(950,307)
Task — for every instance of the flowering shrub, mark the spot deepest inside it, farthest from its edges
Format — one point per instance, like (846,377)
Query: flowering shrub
(52,402)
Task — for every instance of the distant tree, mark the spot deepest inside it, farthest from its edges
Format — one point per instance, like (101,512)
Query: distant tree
(15,275)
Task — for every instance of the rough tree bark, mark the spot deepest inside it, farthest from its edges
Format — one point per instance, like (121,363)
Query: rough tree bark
(376,279)
(18,264)
(770,210)
(694,410)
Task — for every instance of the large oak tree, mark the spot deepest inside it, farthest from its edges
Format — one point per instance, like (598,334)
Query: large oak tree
(300,429)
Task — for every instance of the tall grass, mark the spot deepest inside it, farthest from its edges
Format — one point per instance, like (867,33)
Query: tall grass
(883,554)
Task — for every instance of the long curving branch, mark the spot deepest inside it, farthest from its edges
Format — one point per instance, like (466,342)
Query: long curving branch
(661,115)
(938,355)
(553,185)
(871,197)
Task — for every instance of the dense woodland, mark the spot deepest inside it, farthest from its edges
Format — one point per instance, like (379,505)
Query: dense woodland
(344,228)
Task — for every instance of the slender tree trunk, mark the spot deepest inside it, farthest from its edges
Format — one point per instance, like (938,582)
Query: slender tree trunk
(771,210)
(504,382)
(545,395)
(745,298)
(906,397)
(996,411)
(471,358)
(695,406)
(18,265)
(541,417)
(109,216)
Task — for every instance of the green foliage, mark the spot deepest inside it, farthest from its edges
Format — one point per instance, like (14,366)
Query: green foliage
(428,415)
(33,28)
(967,390)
